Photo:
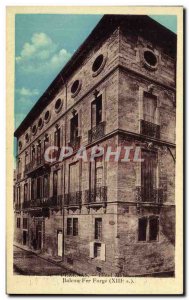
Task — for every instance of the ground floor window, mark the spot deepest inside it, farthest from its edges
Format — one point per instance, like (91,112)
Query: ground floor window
(25,223)
(75,226)
(72,226)
(97,250)
(148,229)
(98,228)
(18,223)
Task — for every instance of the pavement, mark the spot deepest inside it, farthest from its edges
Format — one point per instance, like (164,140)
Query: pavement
(28,262)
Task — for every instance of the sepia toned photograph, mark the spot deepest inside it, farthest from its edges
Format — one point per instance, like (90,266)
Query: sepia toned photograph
(95,143)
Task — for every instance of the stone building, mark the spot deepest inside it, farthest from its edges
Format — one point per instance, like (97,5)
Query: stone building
(104,217)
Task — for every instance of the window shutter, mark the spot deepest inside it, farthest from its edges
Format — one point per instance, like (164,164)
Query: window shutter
(91,254)
(103,252)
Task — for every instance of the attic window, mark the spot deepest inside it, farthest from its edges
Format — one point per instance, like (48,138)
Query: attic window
(47,116)
(150,59)
(58,105)
(40,123)
(34,129)
(20,145)
(75,88)
(27,137)
(98,64)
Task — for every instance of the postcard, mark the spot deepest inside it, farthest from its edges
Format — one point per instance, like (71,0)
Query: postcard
(95,150)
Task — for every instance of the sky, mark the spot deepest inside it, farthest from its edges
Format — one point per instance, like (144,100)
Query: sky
(43,45)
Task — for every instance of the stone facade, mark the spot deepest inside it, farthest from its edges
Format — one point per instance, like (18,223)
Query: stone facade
(97,217)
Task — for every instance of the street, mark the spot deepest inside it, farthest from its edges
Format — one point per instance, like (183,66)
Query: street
(28,263)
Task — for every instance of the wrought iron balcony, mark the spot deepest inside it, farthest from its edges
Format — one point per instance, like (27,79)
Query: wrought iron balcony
(97,196)
(96,132)
(73,199)
(54,201)
(35,165)
(154,196)
(149,129)
(75,143)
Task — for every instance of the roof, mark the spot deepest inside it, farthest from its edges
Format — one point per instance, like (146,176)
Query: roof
(147,27)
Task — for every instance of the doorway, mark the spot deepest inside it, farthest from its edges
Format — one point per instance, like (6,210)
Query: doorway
(39,236)
(24,237)
(59,238)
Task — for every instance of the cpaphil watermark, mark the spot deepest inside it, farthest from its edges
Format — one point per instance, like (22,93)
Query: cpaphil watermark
(109,153)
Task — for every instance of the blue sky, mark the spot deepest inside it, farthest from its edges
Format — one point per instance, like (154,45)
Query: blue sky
(43,45)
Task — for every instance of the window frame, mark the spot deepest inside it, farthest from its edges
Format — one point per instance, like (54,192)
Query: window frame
(18,222)
(148,218)
(97,236)
(72,227)
(25,222)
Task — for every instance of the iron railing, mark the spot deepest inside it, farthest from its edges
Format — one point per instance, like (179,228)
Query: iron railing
(149,129)
(96,196)
(154,196)
(35,164)
(73,199)
(75,143)
(54,201)
(96,132)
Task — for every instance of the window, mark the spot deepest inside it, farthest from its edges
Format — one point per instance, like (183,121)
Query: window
(55,183)
(46,142)
(75,88)
(40,123)
(148,175)
(25,223)
(74,128)
(25,192)
(153,228)
(69,226)
(96,112)
(47,116)
(33,154)
(39,156)
(57,138)
(19,166)
(72,226)
(148,229)
(142,228)
(39,187)
(18,195)
(98,64)
(150,59)
(74,178)
(46,186)
(20,145)
(96,179)
(149,107)
(98,228)
(75,226)
(34,129)
(27,137)
(97,250)
(26,158)
(18,223)
(33,189)
(58,105)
